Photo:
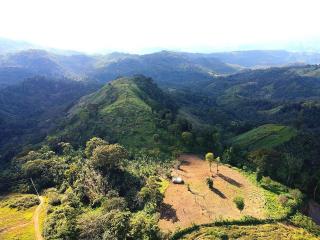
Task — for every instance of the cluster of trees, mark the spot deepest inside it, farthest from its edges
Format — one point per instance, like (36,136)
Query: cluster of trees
(94,193)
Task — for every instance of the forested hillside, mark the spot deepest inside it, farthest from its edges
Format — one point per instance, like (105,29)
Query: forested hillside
(32,108)
(102,149)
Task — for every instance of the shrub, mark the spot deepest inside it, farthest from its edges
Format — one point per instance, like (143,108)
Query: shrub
(150,192)
(144,226)
(54,198)
(90,226)
(61,224)
(209,182)
(297,196)
(239,201)
(305,222)
(114,203)
(259,175)
(273,186)
(24,202)
(116,225)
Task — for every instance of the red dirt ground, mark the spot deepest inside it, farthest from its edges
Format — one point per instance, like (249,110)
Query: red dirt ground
(182,207)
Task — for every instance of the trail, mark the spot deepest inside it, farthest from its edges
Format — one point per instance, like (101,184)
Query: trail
(36,220)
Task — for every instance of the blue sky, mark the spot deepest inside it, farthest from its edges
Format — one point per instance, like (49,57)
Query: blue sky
(138,26)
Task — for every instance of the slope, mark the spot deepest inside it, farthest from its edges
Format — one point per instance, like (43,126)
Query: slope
(287,83)
(30,109)
(265,136)
(128,110)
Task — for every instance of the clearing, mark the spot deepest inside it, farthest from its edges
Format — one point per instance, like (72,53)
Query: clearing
(182,206)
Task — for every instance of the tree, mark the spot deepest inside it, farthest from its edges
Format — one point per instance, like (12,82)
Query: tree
(187,138)
(218,162)
(293,166)
(108,156)
(150,193)
(116,224)
(92,144)
(144,226)
(239,203)
(210,159)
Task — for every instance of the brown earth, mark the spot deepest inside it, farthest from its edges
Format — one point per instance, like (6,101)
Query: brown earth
(194,202)
(36,220)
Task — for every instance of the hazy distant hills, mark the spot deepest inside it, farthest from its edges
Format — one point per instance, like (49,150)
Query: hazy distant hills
(166,68)
(9,46)
(169,69)
(286,83)
(267,58)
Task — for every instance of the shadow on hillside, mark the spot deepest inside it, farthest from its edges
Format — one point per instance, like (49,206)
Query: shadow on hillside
(168,213)
(218,192)
(230,180)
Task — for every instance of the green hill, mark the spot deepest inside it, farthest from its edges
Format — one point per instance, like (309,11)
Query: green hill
(131,111)
(265,136)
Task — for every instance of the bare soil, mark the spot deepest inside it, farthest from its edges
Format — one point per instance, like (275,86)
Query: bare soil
(36,220)
(193,201)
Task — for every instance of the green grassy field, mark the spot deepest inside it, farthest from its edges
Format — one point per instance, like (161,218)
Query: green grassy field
(264,231)
(16,224)
(265,136)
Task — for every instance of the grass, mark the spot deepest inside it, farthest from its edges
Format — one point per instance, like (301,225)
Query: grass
(265,136)
(18,223)
(263,231)
(273,207)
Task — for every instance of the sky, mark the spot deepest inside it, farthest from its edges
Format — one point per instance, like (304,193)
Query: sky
(139,26)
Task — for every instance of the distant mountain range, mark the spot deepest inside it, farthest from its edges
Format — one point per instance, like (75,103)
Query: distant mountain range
(168,69)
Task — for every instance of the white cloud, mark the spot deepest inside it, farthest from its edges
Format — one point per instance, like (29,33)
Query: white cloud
(136,25)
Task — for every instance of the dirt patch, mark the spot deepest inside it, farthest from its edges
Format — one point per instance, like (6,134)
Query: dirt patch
(194,202)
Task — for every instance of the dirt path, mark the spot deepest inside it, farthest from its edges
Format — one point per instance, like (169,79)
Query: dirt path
(199,204)
(36,220)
